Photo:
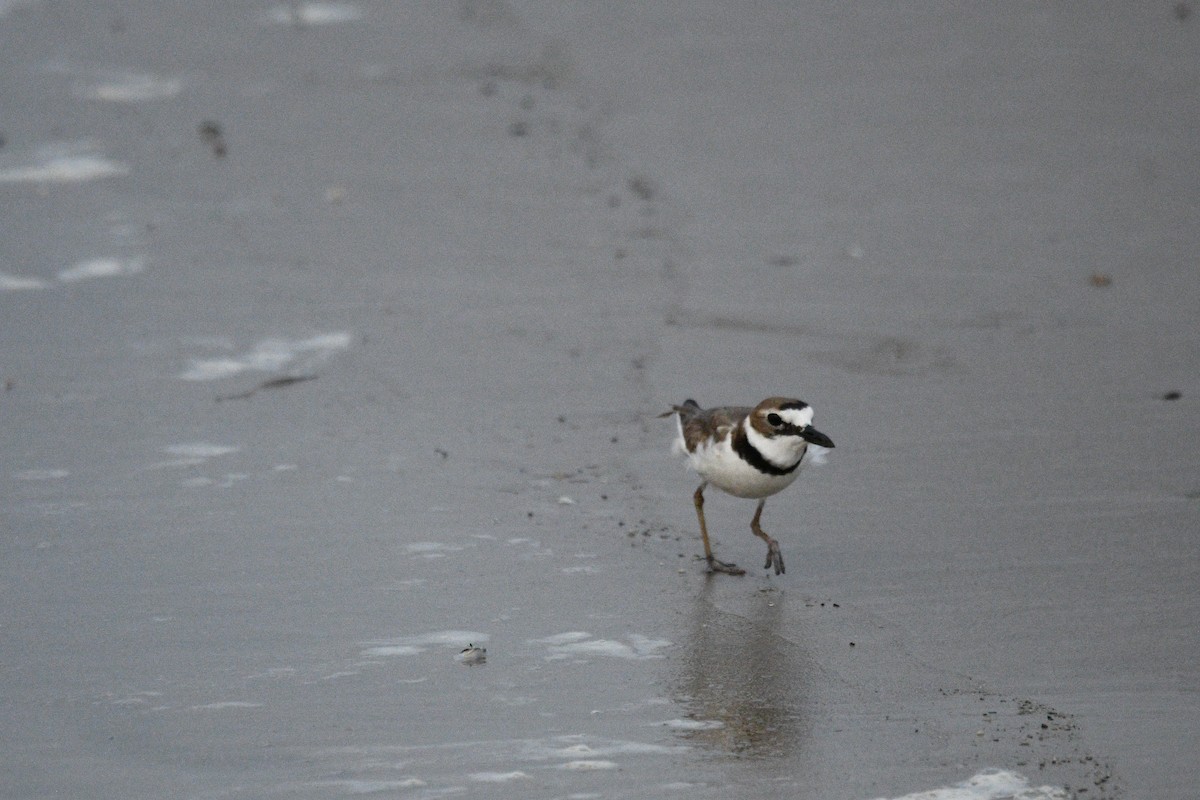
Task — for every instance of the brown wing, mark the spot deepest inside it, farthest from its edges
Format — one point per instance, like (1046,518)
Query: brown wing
(704,423)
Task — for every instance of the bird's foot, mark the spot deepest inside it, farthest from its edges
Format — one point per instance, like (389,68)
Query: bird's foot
(720,566)
(774,558)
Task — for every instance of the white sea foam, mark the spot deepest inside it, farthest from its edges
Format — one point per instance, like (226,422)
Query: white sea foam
(191,454)
(62,163)
(992,784)
(131,701)
(598,647)
(120,86)
(411,645)
(40,474)
(605,747)
(393,650)
(212,369)
(227,704)
(372,787)
(102,268)
(577,643)
(551,748)
(20,283)
(504,761)
(498,777)
(447,637)
(91,268)
(694,724)
(313,13)
(200,450)
(137,699)
(271,355)
(563,638)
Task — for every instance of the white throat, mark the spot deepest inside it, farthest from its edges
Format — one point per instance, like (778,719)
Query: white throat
(782,451)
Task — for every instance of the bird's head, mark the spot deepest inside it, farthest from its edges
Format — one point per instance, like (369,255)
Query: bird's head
(779,417)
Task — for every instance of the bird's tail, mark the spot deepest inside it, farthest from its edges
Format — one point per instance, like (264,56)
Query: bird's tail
(687,409)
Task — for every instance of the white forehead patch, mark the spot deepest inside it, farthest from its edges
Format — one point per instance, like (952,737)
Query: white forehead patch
(800,417)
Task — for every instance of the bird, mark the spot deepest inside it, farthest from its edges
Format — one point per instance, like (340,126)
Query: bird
(746,452)
(472,654)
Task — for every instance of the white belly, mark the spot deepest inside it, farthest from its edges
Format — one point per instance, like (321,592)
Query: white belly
(722,467)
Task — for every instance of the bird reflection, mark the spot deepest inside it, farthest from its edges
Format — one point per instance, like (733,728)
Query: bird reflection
(743,683)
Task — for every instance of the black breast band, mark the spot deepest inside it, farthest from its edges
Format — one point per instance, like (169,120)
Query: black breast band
(742,446)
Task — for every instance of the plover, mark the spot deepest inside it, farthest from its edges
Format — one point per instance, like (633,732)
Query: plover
(746,452)
(473,654)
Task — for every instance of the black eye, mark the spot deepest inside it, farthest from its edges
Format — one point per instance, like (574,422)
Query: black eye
(774,420)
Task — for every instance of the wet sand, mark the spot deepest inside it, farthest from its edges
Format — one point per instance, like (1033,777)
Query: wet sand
(335,336)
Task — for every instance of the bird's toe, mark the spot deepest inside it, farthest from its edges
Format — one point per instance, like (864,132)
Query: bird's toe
(775,559)
(714,565)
